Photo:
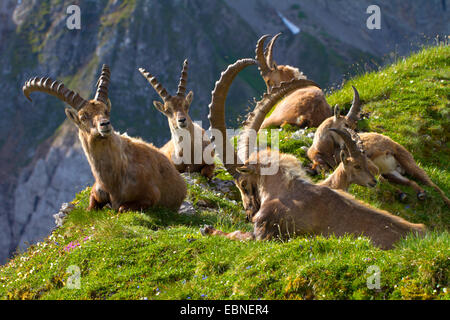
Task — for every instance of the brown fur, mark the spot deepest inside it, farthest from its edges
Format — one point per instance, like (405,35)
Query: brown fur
(326,146)
(393,159)
(304,108)
(360,171)
(176,109)
(287,204)
(129,173)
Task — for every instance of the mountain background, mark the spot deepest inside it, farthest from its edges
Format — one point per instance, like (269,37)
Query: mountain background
(41,162)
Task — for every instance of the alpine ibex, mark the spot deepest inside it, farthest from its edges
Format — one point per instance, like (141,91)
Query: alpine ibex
(393,161)
(176,109)
(324,151)
(287,203)
(305,107)
(129,173)
(355,167)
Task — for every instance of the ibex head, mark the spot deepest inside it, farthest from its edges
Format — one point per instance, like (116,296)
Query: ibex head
(91,117)
(349,121)
(247,183)
(272,73)
(358,168)
(175,108)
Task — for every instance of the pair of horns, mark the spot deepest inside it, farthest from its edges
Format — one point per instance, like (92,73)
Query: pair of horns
(181,92)
(254,119)
(265,57)
(72,98)
(355,109)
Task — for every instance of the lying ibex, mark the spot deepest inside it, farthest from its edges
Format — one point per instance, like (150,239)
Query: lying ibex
(129,173)
(176,109)
(393,160)
(286,203)
(305,107)
(326,146)
(355,167)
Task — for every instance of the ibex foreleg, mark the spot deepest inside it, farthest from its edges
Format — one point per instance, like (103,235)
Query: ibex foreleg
(397,178)
(98,198)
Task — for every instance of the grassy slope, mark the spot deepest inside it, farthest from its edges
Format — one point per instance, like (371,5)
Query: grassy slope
(161,255)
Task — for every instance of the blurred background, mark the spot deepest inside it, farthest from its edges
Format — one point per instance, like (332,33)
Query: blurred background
(42,164)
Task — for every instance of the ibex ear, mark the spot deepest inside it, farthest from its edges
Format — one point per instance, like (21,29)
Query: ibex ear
(109,105)
(337,112)
(73,116)
(343,156)
(159,106)
(246,170)
(189,99)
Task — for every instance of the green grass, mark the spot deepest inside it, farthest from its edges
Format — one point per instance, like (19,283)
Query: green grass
(161,255)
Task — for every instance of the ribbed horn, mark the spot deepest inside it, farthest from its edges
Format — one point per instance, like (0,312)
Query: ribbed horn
(102,85)
(183,79)
(355,109)
(259,55)
(217,109)
(155,84)
(257,116)
(269,55)
(53,88)
(351,144)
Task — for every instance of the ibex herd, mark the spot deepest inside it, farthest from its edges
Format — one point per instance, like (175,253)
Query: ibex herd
(131,174)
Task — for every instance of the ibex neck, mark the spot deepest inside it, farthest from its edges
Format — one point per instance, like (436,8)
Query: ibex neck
(337,180)
(104,156)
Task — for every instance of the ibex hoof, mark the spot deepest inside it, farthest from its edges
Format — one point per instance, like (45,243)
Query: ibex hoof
(402,196)
(312,172)
(206,230)
(421,195)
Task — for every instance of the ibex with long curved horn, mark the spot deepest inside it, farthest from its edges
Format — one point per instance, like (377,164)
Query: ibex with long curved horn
(129,173)
(305,107)
(286,203)
(176,109)
(325,149)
